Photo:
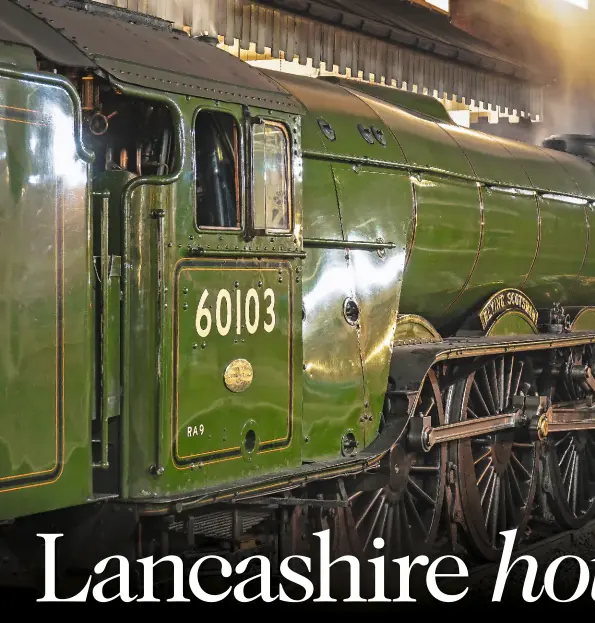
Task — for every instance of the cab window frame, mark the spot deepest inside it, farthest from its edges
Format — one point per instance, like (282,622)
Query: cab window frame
(251,205)
(240,167)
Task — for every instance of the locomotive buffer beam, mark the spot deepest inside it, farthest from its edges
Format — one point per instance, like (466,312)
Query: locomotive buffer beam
(529,414)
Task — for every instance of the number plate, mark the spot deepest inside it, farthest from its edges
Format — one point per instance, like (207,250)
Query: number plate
(233,331)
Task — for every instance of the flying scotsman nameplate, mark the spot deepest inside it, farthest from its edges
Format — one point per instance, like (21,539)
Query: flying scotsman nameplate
(504,301)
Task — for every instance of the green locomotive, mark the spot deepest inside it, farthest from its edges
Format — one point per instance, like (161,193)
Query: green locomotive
(238,305)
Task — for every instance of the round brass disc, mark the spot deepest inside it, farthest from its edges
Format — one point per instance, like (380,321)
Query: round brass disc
(238,375)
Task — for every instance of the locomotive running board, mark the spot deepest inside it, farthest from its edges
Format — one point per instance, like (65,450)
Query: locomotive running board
(409,366)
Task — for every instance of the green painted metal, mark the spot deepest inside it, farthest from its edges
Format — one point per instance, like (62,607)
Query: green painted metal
(46,320)
(376,277)
(108,185)
(563,242)
(448,216)
(244,311)
(507,225)
(333,400)
(412,102)
(584,320)
(344,113)
(467,241)
(511,323)
(333,381)
(410,328)
(20,56)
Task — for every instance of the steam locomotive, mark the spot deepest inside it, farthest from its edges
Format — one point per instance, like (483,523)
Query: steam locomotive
(238,306)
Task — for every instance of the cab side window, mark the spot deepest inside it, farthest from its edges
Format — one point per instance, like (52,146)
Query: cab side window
(217,171)
(271,195)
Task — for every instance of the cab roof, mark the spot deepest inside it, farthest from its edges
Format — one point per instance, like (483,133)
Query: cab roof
(137,49)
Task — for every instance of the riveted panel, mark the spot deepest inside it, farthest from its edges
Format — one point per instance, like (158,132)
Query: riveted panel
(339,122)
(423,141)
(376,206)
(233,378)
(333,382)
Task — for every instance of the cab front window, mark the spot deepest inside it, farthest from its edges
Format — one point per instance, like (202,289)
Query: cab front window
(217,171)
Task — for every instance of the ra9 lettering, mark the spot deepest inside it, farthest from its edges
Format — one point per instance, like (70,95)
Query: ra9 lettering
(246,309)
(196,431)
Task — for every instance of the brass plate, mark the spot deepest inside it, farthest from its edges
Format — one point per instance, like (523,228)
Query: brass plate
(238,375)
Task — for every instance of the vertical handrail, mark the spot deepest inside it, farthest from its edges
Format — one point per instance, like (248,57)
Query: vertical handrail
(105,270)
(159,215)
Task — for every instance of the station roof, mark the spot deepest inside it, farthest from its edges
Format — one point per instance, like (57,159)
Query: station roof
(405,23)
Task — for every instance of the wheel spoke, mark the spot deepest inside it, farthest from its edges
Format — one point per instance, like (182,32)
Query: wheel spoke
(509,382)
(517,486)
(480,398)
(488,486)
(415,514)
(566,452)
(420,494)
(488,394)
(492,485)
(472,413)
(494,385)
(501,388)
(510,507)
(487,467)
(390,518)
(407,527)
(567,472)
(482,457)
(398,536)
(381,506)
(515,459)
(517,381)
(368,508)
(496,510)
(353,497)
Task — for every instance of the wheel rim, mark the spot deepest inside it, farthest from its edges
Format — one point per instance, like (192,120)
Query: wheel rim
(497,473)
(571,462)
(402,504)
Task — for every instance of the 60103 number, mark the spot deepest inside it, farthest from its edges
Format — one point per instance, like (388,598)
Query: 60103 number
(247,310)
